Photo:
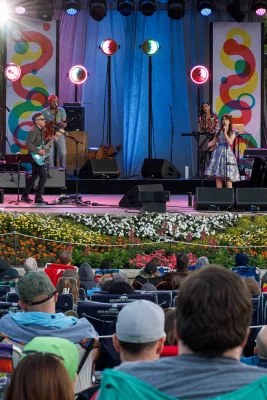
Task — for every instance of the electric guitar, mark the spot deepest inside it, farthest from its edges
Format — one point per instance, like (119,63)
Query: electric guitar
(42,160)
(50,126)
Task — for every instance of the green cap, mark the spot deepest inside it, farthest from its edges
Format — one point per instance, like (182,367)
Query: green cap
(35,284)
(62,348)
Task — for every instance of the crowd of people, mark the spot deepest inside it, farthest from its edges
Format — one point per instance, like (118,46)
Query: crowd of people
(194,350)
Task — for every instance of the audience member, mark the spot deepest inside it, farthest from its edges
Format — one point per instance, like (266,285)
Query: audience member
(30,265)
(171,339)
(148,274)
(11,275)
(201,262)
(68,285)
(120,277)
(71,273)
(140,331)
(241,260)
(106,264)
(148,287)
(264,282)
(37,298)
(212,324)
(252,285)
(182,264)
(260,350)
(121,287)
(156,260)
(176,282)
(65,257)
(86,275)
(107,285)
(3,268)
(104,280)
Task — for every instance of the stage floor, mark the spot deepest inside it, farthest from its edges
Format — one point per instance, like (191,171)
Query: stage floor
(98,205)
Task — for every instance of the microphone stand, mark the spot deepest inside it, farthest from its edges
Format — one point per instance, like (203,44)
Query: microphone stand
(172,130)
(18,185)
(77,142)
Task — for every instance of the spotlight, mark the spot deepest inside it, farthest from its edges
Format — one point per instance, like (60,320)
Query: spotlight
(98,9)
(12,72)
(109,47)
(147,7)
(205,7)
(259,7)
(20,10)
(150,47)
(125,7)
(45,10)
(199,74)
(4,11)
(72,7)
(235,11)
(176,9)
(78,74)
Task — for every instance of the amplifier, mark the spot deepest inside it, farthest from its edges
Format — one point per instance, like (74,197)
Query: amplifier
(10,179)
(56,178)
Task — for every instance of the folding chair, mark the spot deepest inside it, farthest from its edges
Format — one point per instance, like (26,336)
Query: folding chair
(164,297)
(248,272)
(124,298)
(12,297)
(4,289)
(88,350)
(163,270)
(9,358)
(55,271)
(82,295)
(249,348)
(64,302)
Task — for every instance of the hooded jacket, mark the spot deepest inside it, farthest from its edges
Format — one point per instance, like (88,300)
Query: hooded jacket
(86,275)
(144,277)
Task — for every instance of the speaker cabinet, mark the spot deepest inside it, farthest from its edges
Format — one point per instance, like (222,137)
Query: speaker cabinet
(56,178)
(134,197)
(159,168)
(247,198)
(213,198)
(259,173)
(77,113)
(10,179)
(100,169)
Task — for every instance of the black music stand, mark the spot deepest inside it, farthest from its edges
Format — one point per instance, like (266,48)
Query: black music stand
(18,159)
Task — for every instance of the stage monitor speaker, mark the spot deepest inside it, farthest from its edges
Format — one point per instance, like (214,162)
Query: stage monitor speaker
(252,199)
(56,178)
(259,173)
(213,198)
(77,113)
(159,168)
(132,198)
(104,169)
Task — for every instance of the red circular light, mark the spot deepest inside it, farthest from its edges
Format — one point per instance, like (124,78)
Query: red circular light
(12,72)
(109,47)
(78,74)
(199,74)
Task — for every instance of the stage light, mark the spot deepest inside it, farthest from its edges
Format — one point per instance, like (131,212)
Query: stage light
(98,9)
(109,47)
(72,7)
(259,7)
(205,7)
(125,7)
(147,7)
(20,10)
(176,9)
(235,11)
(45,10)
(12,72)
(150,47)
(199,74)
(4,11)
(78,74)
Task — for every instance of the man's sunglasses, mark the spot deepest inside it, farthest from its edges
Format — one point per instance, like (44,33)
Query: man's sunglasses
(40,119)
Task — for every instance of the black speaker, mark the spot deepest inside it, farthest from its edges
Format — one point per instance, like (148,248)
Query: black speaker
(259,173)
(77,113)
(133,198)
(213,198)
(251,199)
(100,169)
(159,168)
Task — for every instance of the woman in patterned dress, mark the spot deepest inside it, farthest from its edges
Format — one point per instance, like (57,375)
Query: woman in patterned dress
(208,120)
(223,165)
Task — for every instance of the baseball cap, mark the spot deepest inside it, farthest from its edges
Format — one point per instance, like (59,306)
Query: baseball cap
(62,348)
(241,259)
(52,97)
(140,322)
(150,268)
(35,284)
(11,273)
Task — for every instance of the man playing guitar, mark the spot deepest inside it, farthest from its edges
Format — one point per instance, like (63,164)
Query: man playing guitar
(55,117)
(34,140)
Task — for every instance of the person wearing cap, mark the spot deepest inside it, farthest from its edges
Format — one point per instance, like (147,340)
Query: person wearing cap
(3,268)
(34,141)
(182,269)
(241,260)
(57,117)
(37,298)
(11,277)
(148,274)
(260,350)
(30,265)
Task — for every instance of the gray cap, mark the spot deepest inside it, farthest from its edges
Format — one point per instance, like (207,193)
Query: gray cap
(30,264)
(140,322)
(35,284)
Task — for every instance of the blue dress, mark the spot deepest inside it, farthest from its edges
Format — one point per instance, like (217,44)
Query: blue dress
(217,166)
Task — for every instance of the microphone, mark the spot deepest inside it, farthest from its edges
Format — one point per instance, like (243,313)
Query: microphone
(56,105)
(170,106)
(12,177)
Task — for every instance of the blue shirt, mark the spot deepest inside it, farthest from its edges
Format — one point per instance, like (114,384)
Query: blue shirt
(49,116)
(254,360)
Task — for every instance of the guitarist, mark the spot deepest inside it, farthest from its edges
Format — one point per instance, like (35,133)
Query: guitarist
(54,116)
(36,138)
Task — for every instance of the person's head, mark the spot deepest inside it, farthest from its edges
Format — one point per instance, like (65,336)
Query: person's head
(213,313)
(3,265)
(150,268)
(227,122)
(176,282)
(169,328)
(202,262)
(205,108)
(264,280)
(65,257)
(39,120)
(241,260)
(68,285)
(53,101)
(37,293)
(102,281)
(30,265)
(182,262)
(252,285)
(156,260)
(140,331)
(148,287)
(121,287)
(70,273)
(86,273)
(120,277)
(11,275)
(261,344)
(106,264)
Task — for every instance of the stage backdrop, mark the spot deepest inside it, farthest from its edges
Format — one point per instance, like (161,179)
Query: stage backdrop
(236,75)
(32,46)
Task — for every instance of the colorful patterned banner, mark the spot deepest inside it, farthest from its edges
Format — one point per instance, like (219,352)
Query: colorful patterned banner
(236,76)
(32,46)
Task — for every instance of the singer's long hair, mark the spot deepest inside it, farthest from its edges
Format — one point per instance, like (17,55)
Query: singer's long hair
(230,128)
(201,109)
